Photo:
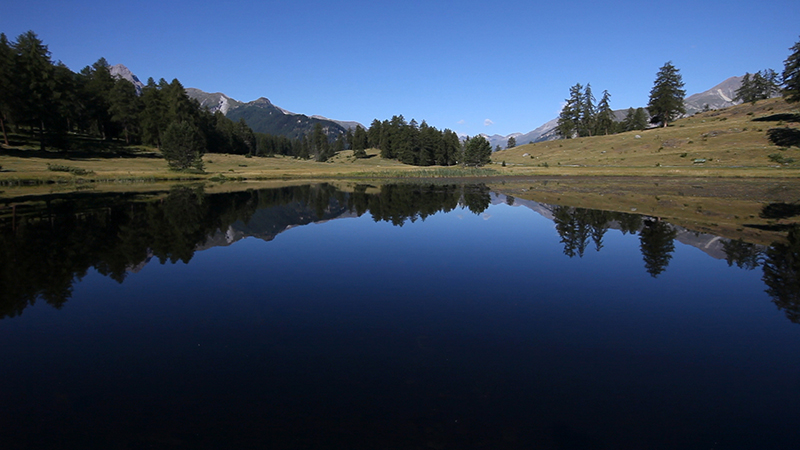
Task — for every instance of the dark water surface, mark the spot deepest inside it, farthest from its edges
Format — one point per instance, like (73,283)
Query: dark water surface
(312,318)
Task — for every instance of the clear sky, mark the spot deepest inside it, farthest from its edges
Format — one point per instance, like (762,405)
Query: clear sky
(494,67)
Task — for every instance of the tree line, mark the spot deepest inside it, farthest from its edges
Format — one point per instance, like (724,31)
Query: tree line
(52,103)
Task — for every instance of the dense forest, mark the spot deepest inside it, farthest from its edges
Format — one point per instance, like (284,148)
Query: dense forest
(49,101)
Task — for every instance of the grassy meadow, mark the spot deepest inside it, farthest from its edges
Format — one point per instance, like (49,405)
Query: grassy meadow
(724,143)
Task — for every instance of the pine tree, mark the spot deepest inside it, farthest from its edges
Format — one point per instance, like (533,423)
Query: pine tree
(179,107)
(512,142)
(153,114)
(430,141)
(791,75)
(124,108)
(360,142)
(319,141)
(639,119)
(477,151)
(97,86)
(450,149)
(569,121)
(339,144)
(35,82)
(627,122)
(245,136)
(6,83)
(374,134)
(745,92)
(666,97)
(771,83)
(67,100)
(183,146)
(588,112)
(604,120)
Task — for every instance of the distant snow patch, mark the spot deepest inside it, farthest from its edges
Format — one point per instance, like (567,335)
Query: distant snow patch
(724,97)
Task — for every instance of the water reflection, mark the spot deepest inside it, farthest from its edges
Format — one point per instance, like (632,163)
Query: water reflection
(782,274)
(49,243)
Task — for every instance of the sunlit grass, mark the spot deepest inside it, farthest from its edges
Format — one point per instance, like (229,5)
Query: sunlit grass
(729,141)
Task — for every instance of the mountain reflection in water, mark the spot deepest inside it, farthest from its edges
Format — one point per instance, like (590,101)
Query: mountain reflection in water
(50,242)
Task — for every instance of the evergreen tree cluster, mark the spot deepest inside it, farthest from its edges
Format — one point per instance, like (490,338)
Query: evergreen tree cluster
(412,143)
(758,86)
(581,117)
(635,119)
(47,99)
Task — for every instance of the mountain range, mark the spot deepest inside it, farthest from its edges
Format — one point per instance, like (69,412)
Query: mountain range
(264,117)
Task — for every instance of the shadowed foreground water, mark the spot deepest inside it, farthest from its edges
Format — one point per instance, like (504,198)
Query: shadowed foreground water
(439,317)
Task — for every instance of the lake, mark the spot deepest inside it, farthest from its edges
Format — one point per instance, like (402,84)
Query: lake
(435,316)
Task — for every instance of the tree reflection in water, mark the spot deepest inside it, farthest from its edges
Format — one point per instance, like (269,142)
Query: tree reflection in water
(782,274)
(49,243)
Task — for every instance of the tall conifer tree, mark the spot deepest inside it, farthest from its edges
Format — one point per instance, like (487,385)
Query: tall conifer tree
(666,97)
(791,75)
(35,82)
(604,120)
(6,83)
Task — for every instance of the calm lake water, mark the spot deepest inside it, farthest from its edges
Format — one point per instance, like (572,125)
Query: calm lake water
(402,316)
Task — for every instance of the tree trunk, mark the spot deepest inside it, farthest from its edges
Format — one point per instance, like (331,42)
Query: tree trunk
(41,136)
(3,126)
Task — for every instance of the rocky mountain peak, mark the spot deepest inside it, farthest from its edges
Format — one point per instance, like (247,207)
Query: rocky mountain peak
(120,71)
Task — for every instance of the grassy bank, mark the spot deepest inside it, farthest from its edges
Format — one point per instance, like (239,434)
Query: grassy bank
(729,143)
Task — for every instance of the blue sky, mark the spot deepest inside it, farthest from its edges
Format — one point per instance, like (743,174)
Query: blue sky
(474,67)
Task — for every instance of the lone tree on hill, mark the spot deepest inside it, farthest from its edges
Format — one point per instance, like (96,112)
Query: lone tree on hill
(666,97)
(512,142)
(791,75)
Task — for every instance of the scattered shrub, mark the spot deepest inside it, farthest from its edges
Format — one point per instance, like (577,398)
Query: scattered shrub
(72,170)
(780,159)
